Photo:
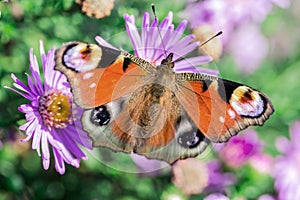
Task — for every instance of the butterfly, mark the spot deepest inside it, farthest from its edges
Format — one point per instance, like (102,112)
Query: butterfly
(132,106)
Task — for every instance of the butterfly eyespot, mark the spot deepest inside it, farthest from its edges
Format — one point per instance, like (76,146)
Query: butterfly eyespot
(190,139)
(82,57)
(100,116)
(247,102)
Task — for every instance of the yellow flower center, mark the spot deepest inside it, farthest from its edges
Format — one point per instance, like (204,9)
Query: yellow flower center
(55,109)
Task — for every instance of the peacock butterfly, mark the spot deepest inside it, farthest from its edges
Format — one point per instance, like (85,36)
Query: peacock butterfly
(132,106)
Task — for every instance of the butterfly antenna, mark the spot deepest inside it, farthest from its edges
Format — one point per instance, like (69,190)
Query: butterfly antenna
(162,42)
(219,33)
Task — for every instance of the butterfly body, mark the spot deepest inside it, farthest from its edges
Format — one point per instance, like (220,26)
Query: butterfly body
(132,106)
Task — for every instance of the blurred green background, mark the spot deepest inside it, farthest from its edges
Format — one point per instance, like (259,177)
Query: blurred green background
(23,23)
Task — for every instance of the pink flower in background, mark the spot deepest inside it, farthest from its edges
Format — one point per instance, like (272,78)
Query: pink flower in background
(282,3)
(262,162)
(209,12)
(148,167)
(218,180)
(190,175)
(50,115)
(266,197)
(287,166)
(237,151)
(240,23)
(194,176)
(216,196)
(248,47)
(226,15)
(242,11)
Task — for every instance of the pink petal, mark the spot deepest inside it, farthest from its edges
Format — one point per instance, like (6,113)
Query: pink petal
(36,141)
(104,43)
(45,152)
(59,163)
(194,61)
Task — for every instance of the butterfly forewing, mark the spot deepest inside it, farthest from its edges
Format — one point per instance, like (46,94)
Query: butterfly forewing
(98,74)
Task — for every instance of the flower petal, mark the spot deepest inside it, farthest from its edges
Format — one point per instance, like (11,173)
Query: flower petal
(34,69)
(103,42)
(36,141)
(133,34)
(58,160)
(194,61)
(71,145)
(45,152)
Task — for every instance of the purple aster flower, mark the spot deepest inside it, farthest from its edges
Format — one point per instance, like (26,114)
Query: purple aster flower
(148,45)
(286,168)
(50,122)
(237,151)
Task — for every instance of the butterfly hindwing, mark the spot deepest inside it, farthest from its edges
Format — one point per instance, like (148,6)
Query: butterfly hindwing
(188,142)
(119,126)
(100,124)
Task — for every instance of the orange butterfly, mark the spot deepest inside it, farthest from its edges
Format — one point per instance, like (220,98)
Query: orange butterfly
(132,106)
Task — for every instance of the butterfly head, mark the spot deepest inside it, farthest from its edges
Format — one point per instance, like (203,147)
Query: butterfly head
(167,62)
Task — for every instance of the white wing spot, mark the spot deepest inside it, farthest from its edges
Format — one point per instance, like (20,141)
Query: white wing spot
(231,113)
(252,108)
(222,119)
(93,85)
(88,75)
